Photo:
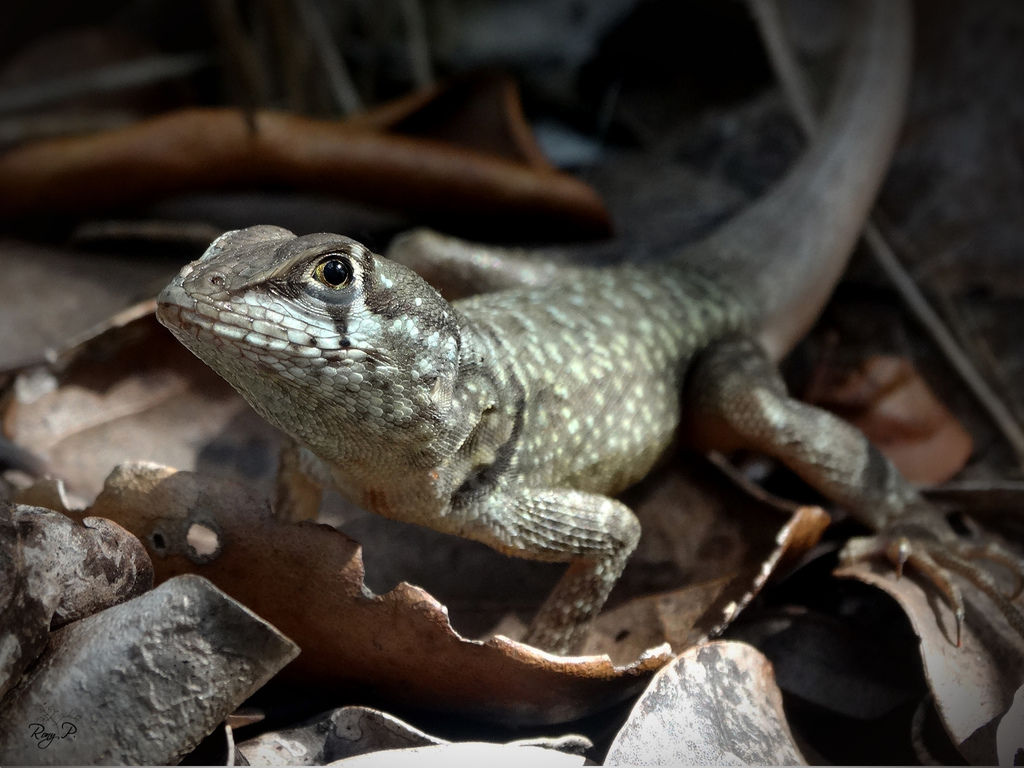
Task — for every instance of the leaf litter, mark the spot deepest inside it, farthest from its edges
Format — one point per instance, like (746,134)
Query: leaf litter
(693,572)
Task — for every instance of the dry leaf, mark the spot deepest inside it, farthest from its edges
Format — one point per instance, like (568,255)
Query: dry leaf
(839,663)
(481,112)
(707,547)
(40,313)
(717,704)
(199,149)
(142,682)
(88,566)
(465,753)
(1010,733)
(352,731)
(724,539)
(332,736)
(886,398)
(132,391)
(24,615)
(56,571)
(974,684)
(307,579)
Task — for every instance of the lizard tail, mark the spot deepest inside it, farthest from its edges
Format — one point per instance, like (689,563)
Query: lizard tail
(785,253)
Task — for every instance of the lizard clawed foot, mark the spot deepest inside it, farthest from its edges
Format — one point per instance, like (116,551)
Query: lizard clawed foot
(936,560)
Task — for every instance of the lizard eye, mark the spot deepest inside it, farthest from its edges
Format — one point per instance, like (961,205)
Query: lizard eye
(335,273)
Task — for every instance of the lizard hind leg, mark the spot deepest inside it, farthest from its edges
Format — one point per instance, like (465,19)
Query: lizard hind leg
(735,398)
(594,533)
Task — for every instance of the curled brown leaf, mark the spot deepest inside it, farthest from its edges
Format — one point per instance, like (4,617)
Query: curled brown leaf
(213,148)
(724,538)
(307,579)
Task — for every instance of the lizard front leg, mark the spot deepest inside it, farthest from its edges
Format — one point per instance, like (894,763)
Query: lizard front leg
(735,398)
(596,533)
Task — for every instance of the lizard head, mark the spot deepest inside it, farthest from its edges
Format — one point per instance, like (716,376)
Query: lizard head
(352,354)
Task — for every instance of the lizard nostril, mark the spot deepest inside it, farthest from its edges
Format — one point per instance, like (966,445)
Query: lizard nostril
(216,280)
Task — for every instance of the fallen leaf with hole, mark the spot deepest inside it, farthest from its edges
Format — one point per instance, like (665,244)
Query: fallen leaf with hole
(191,655)
(974,684)
(716,704)
(886,398)
(307,579)
(214,148)
(53,571)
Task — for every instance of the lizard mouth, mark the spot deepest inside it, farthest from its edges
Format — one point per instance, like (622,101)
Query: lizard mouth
(201,322)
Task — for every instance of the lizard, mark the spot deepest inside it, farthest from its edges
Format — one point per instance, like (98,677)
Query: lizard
(514,416)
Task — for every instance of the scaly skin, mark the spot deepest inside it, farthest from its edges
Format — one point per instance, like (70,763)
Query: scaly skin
(474,419)
(512,418)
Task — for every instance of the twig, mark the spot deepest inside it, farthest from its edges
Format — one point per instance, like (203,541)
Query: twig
(342,88)
(294,55)
(419,47)
(241,57)
(797,92)
(922,310)
(116,77)
(606,111)
(983,352)
(787,69)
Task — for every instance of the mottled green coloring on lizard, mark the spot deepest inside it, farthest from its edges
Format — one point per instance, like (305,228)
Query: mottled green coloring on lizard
(513,417)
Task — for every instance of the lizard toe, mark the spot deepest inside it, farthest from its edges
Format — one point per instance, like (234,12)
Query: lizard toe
(998,555)
(936,561)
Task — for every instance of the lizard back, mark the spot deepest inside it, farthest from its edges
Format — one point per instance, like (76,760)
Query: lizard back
(595,367)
